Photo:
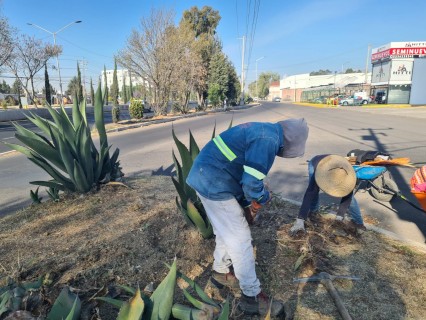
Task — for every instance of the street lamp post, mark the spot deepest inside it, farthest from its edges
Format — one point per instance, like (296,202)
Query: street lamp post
(257,93)
(54,43)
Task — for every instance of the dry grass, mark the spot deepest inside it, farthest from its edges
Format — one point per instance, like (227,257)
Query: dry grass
(124,236)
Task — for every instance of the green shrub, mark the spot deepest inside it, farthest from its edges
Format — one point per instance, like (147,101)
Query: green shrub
(136,108)
(115,114)
(67,147)
(4,104)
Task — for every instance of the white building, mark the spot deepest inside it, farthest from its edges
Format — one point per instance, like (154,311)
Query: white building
(123,76)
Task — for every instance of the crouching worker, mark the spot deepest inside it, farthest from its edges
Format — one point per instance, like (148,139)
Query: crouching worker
(335,176)
(229,171)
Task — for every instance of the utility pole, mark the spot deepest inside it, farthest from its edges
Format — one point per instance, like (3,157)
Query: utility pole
(257,92)
(242,73)
(366,63)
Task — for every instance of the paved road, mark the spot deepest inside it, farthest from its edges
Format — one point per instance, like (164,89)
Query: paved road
(147,150)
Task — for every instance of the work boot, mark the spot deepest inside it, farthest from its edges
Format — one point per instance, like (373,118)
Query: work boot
(259,305)
(221,280)
(357,226)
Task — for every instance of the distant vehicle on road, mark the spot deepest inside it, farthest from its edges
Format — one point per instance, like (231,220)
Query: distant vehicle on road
(277,99)
(380,97)
(356,99)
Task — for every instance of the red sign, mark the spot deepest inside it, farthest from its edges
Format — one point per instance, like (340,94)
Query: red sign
(398,52)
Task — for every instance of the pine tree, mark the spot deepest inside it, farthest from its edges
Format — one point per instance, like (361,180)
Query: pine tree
(92,92)
(124,92)
(105,88)
(114,87)
(16,89)
(130,87)
(48,94)
(79,86)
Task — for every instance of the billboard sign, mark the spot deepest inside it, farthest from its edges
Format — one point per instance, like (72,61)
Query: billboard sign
(401,70)
(381,72)
(399,50)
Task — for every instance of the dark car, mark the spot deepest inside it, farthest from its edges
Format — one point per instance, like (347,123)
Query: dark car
(380,97)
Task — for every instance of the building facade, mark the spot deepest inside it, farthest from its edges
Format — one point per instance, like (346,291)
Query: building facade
(123,76)
(399,72)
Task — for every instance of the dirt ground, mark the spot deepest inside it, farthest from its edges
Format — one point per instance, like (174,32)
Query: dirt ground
(125,236)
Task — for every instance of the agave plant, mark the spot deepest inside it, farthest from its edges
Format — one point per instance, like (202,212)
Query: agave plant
(67,147)
(207,309)
(154,307)
(190,205)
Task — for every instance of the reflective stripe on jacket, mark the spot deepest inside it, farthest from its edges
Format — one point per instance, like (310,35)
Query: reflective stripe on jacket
(235,163)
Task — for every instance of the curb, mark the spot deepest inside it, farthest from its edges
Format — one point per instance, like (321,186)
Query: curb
(418,245)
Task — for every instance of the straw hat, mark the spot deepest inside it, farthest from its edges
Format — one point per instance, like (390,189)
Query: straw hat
(335,176)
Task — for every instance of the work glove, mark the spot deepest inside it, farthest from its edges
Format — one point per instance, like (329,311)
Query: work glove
(299,225)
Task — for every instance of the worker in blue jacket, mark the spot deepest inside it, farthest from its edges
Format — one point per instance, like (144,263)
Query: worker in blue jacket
(228,176)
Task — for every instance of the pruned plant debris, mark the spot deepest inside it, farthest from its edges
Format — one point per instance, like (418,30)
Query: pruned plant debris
(125,236)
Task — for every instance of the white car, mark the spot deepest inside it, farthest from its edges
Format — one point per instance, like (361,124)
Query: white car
(351,101)
(277,99)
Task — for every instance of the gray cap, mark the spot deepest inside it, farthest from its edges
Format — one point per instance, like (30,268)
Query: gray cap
(295,136)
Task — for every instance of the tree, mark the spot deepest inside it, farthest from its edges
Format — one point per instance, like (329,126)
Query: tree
(124,92)
(130,86)
(105,96)
(47,95)
(204,23)
(114,87)
(17,89)
(4,87)
(320,72)
(27,59)
(350,70)
(73,87)
(6,47)
(80,95)
(263,83)
(92,93)
(150,54)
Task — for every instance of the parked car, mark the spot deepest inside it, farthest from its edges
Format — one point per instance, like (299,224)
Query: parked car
(322,99)
(355,100)
(380,97)
(277,99)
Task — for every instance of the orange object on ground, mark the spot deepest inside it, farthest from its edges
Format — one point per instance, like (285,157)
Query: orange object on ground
(396,162)
(421,198)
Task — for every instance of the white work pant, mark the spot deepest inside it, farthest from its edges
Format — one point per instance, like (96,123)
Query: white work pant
(233,243)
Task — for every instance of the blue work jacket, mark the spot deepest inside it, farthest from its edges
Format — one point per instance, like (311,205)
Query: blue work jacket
(234,164)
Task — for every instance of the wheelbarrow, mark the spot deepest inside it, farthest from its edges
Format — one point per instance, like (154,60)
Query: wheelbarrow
(378,181)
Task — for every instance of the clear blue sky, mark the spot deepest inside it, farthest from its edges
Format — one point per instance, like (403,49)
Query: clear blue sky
(292,36)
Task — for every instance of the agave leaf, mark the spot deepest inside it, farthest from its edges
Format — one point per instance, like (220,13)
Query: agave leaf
(99,118)
(194,150)
(224,314)
(184,155)
(30,134)
(45,150)
(81,182)
(55,174)
(181,312)
(76,115)
(162,298)
(82,108)
(19,148)
(49,184)
(184,213)
(203,227)
(114,156)
(115,302)
(5,300)
(209,309)
(67,157)
(197,289)
(35,285)
(127,289)
(133,309)
(63,305)
(86,157)
(178,169)
(41,123)
(181,192)
(72,313)
(230,124)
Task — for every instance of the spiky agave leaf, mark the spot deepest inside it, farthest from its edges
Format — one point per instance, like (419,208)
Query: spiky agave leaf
(64,304)
(194,150)
(161,300)
(133,309)
(203,226)
(200,292)
(181,312)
